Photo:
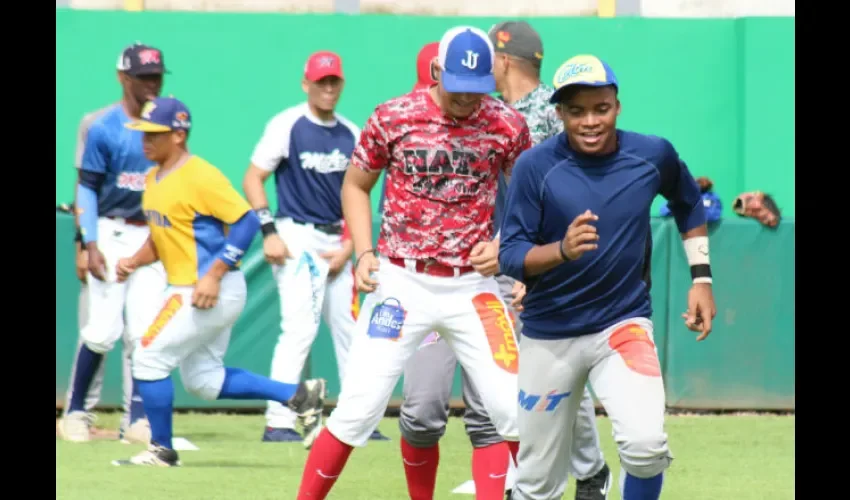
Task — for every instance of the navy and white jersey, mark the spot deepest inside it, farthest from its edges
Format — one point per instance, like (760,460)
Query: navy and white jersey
(550,186)
(115,152)
(309,158)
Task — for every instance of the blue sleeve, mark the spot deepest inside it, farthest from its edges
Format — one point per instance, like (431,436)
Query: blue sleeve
(521,219)
(96,152)
(681,190)
(239,238)
(86,206)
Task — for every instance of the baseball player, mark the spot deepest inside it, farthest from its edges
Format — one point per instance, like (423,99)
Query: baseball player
(429,373)
(307,147)
(442,148)
(108,204)
(140,431)
(574,232)
(200,228)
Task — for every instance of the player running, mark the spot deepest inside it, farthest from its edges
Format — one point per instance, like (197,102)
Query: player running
(442,148)
(108,203)
(200,228)
(307,147)
(587,314)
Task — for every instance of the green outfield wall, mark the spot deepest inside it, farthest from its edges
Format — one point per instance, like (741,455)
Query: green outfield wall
(721,89)
(746,363)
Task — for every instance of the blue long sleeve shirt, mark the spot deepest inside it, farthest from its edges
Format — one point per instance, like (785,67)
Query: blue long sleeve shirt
(551,184)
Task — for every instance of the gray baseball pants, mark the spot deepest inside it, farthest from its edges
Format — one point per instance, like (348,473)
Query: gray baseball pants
(93,397)
(428,378)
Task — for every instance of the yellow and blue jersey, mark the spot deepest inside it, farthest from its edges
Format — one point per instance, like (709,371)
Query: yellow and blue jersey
(189,212)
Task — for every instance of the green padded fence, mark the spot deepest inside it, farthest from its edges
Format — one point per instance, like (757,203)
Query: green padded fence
(746,363)
(721,89)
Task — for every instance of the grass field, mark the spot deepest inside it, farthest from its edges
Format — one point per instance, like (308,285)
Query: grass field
(744,457)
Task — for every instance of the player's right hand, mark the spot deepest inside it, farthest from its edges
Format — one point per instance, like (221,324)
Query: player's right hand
(82,263)
(124,269)
(97,263)
(275,249)
(581,236)
(363,279)
(518,293)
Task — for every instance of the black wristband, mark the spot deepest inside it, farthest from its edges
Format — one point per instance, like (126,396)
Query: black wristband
(371,251)
(563,254)
(701,271)
(78,236)
(266,221)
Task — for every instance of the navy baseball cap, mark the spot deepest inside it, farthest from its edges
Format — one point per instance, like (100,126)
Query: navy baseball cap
(466,58)
(140,59)
(163,114)
(582,70)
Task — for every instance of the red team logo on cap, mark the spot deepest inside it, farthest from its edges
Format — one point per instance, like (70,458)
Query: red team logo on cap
(149,56)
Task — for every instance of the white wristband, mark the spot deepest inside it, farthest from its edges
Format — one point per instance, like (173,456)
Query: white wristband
(696,250)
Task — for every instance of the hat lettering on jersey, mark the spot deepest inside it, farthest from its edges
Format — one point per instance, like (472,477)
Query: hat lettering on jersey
(163,114)
(466,59)
(582,70)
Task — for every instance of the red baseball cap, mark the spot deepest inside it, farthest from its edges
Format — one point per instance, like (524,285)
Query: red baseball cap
(424,73)
(321,64)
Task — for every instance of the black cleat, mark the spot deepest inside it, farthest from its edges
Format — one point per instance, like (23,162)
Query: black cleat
(154,456)
(308,403)
(596,487)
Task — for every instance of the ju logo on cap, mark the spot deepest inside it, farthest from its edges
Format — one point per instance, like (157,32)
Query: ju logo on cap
(582,70)
(162,114)
(466,58)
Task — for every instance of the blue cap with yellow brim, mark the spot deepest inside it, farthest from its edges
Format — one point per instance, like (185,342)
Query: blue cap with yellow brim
(163,114)
(582,70)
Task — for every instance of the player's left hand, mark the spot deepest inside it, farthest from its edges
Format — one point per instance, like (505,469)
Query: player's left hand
(701,310)
(484,257)
(518,292)
(337,258)
(206,291)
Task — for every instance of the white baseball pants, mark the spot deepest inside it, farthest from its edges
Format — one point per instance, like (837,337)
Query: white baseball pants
(622,366)
(308,294)
(195,340)
(467,311)
(113,305)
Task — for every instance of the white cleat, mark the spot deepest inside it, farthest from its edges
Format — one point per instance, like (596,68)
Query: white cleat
(76,426)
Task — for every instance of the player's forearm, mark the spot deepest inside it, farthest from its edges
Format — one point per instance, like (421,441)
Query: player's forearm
(255,193)
(86,208)
(239,238)
(146,254)
(357,210)
(697,253)
(541,259)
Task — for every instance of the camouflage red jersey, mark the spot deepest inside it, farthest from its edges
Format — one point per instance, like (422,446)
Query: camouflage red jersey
(441,174)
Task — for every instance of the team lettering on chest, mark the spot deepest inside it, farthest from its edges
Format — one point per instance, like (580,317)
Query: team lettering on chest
(134,181)
(157,219)
(324,163)
(441,170)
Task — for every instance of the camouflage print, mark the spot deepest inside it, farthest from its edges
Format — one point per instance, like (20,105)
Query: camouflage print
(542,120)
(442,173)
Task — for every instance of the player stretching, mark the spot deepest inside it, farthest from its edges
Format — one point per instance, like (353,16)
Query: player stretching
(443,148)
(574,233)
(109,193)
(307,147)
(199,229)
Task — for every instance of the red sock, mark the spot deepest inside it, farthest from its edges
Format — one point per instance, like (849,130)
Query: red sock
(324,465)
(514,446)
(489,470)
(420,469)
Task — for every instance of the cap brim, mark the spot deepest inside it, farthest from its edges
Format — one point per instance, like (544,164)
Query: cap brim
(318,75)
(146,72)
(555,98)
(145,126)
(468,84)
